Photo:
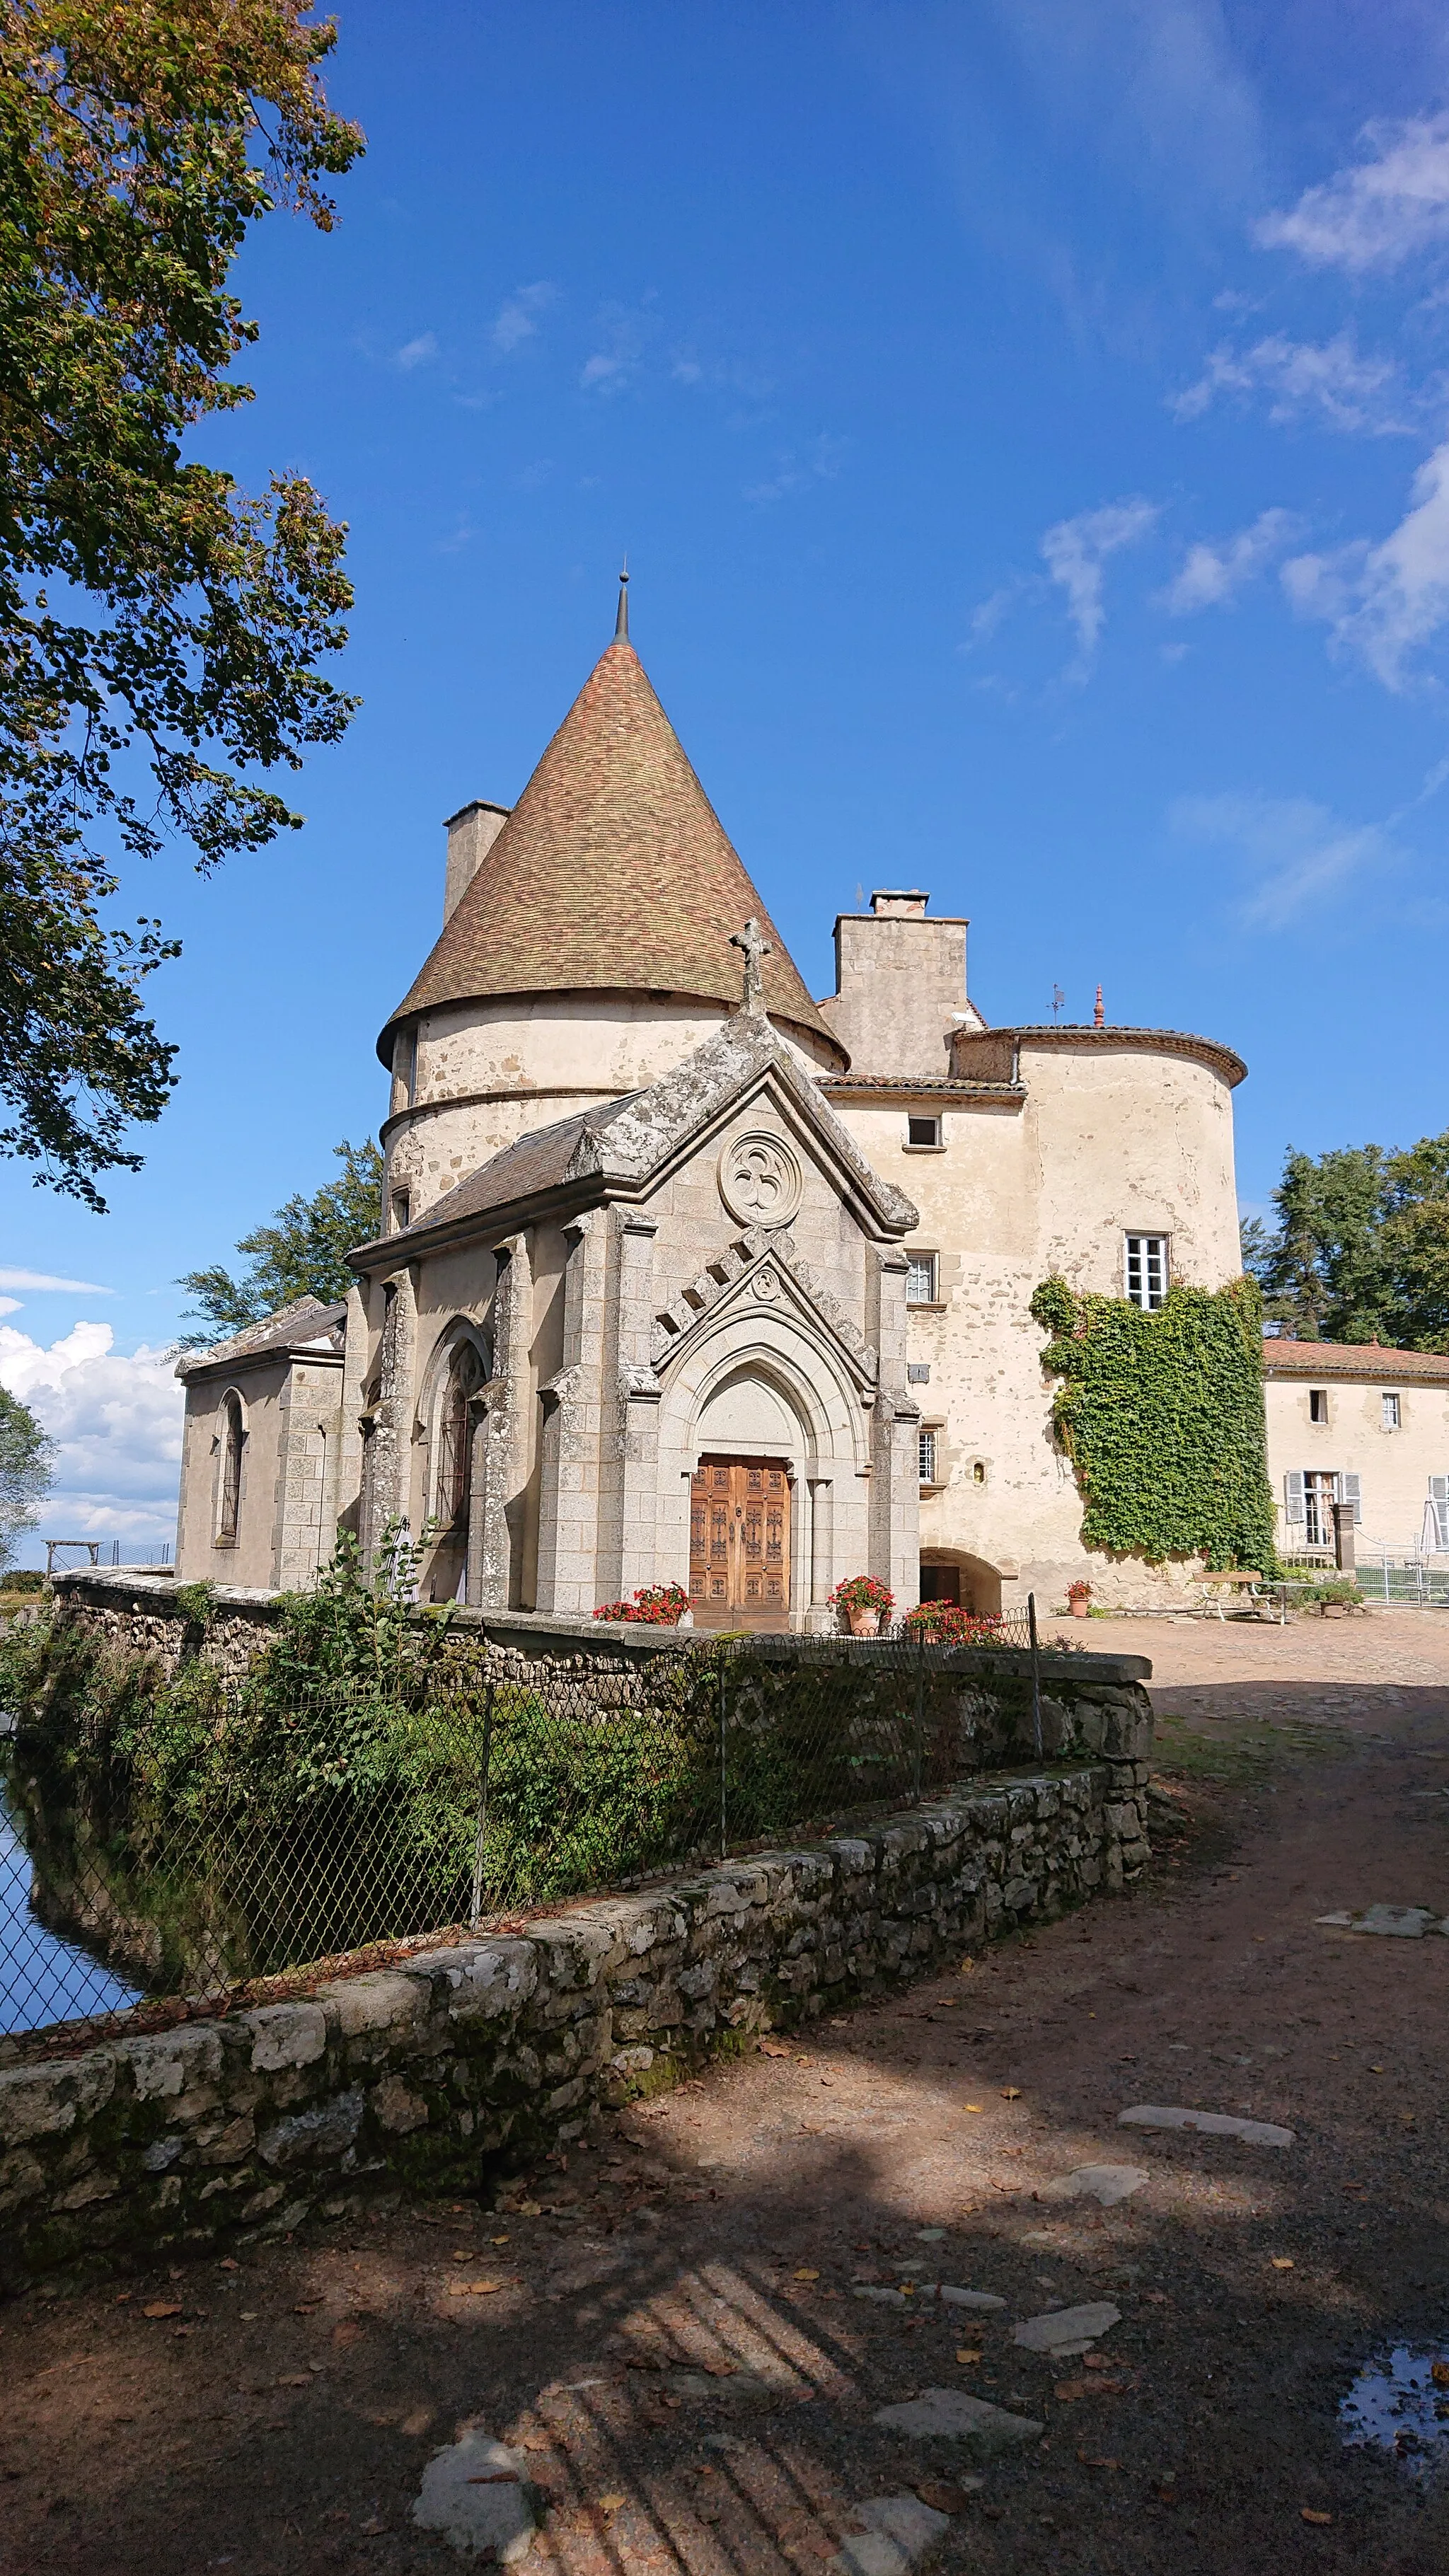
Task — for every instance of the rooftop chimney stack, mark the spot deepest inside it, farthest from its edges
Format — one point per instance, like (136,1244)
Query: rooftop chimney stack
(472,832)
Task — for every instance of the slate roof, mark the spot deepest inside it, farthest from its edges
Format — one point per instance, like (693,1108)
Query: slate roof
(1372,1360)
(292,1328)
(612,872)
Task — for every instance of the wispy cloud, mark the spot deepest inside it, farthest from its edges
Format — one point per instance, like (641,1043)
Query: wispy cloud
(1212,575)
(798,468)
(415,353)
(47,1279)
(1374,214)
(1385,602)
(1294,852)
(1329,380)
(1075,552)
(519,315)
(624,335)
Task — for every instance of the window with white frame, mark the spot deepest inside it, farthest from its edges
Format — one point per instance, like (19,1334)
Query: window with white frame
(1436,1513)
(921,1278)
(1318,1404)
(928,1457)
(1390,1405)
(1145,1261)
(923,1131)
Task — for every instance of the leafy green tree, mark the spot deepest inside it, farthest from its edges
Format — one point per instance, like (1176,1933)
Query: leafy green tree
(160,630)
(1360,1250)
(300,1254)
(27,1468)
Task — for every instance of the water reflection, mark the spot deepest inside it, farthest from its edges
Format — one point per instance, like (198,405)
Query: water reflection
(42,1978)
(1400,2402)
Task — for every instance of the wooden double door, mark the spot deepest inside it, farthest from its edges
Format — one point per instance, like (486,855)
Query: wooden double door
(739,1543)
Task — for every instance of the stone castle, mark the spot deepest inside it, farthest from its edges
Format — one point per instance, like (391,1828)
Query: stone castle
(688,1277)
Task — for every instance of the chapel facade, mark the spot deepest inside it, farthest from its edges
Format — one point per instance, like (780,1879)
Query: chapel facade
(688,1277)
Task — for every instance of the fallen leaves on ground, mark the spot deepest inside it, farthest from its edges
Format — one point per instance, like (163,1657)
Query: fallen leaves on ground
(1281,2262)
(806,2274)
(973,2106)
(162,2308)
(969,2356)
(941,2497)
(610,2503)
(1011,2092)
(1089,2461)
(296,2379)
(774,2048)
(1440,2374)
(473,2289)
(1308,2514)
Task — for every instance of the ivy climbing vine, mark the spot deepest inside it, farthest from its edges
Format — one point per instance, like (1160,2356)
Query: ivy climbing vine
(1162,1417)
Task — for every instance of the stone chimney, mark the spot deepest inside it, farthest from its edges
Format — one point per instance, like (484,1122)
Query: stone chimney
(472,832)
(900,981)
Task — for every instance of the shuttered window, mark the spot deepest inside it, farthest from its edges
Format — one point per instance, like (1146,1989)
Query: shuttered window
(1346,1490)
(1438,1511)
(1293,1497)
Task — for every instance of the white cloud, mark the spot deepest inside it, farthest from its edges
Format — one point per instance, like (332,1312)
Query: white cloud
(1374,214)
(415,353)
(623,337)
(117,1422)
(1383,602)
(1212,576)
(1075,551)
(1296,852)
(10,1305)
(1328,379)
(518,316)
(45,1279)
(796,470)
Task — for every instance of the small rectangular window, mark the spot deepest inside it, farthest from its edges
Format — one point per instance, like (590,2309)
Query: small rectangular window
(923,1131)
(1391,1412)
(928,1457)
(1318,1404)
(1147,1270)
(401,1210)
(921,1279)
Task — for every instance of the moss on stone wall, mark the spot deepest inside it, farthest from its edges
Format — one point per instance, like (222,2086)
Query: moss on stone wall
(1161,1415)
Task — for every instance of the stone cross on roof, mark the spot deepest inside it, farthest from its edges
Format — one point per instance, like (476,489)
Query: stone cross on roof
(756,949)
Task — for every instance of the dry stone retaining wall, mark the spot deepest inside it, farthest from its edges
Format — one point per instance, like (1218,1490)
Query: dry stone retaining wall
(486,2050)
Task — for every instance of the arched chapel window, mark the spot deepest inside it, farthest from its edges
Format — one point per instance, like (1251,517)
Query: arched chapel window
(233,1440)
(453,1483)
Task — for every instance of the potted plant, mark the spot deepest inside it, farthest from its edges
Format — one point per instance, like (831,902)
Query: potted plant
(865,1602)
(654,1605)
(1079,1599)
(946,1623)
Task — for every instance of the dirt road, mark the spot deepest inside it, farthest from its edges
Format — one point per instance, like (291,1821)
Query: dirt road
(676,2348)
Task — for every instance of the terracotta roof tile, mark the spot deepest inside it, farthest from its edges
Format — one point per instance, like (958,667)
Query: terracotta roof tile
(1375,1360)
(612,873)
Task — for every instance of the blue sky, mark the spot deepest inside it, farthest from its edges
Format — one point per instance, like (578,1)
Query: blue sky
(1029,429)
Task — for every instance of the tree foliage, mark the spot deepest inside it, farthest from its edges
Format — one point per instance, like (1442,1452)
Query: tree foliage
(160,630)
(27,1456)
(1161,1415)
(1360,1248)
(301,1253)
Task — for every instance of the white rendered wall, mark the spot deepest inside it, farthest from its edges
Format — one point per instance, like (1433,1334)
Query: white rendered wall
(1393,1467)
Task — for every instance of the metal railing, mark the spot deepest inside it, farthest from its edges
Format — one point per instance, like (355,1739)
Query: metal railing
(190,1836)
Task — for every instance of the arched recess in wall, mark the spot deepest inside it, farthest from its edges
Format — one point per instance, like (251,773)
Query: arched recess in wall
(459,1368)
(231,1454)
(951,1574)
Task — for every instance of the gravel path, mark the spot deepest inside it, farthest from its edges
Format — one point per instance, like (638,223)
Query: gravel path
(666,2332)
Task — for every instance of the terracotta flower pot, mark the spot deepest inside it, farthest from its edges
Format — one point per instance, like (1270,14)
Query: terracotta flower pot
(1081,1609)
(864,1620)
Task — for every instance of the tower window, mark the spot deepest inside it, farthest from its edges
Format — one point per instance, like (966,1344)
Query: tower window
(928,1457)
(1146,1270)
(454,1483)
(401,1209)
(233,1440)
(1390,1412)
(1318,1404)
(923,1131)
(921,1279)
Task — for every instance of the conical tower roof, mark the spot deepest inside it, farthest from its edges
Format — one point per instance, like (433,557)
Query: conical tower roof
(612,873)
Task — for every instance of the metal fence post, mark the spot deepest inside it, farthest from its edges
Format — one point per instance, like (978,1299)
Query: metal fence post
(476,1914)
(916,1750)
(724,1834)
(1035,1674)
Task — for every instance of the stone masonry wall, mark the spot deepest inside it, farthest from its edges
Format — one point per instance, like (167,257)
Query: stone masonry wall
(481,2052)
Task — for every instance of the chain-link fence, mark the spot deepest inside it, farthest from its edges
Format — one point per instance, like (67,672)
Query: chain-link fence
(187,1836)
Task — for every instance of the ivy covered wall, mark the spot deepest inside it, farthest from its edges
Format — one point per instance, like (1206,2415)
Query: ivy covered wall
(1162,1417)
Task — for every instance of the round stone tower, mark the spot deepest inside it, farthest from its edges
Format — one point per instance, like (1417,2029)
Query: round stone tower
(586,946)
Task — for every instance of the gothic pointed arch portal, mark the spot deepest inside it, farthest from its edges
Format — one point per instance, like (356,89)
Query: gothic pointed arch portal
(764,1436)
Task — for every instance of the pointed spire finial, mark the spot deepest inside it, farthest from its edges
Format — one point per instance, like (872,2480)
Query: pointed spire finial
(621,622)
(1099,1016)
